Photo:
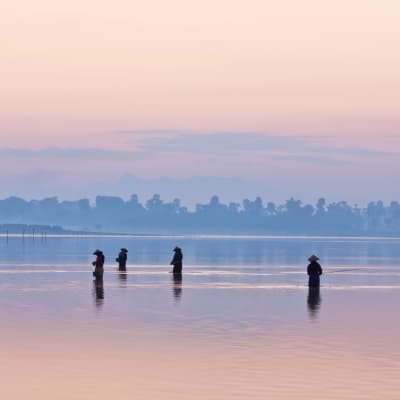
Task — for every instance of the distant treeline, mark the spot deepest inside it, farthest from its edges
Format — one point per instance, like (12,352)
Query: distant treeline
(113,214)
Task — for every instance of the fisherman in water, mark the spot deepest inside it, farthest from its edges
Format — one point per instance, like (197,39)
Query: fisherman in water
(122,259)
(98,265)
(177,261)
(314,271)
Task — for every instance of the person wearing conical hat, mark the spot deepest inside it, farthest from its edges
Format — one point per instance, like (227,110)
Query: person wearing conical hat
(98,265)
(122,259)
(177,261)
(314,270)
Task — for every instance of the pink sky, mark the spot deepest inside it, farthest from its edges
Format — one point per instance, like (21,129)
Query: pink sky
(75,73)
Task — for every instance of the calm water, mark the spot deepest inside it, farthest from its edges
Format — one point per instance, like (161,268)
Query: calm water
(241,323)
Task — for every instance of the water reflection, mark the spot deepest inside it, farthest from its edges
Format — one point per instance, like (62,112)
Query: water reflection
(177,286)
(123,277)
(313,302)
(98,293)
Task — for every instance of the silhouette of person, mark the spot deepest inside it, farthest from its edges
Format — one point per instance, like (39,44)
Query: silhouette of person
(313,301)
(177,285)
(314,271)
(122,259)
(98,292)
(177,261)
(98,265)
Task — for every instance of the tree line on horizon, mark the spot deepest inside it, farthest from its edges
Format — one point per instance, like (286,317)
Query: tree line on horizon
(113,214)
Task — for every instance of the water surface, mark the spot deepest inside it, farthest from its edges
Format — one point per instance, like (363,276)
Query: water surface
(240,324)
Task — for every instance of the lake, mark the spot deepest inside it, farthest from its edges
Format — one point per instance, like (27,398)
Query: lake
(241,324)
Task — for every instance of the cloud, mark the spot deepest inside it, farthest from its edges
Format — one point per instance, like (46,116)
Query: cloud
(175,153)
(77,154)
(311,159)
(147,143)
(317,148)
(221,143)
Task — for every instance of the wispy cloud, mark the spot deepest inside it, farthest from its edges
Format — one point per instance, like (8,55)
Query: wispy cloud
(238,147)
(69,154)
(233,164)
(223,143)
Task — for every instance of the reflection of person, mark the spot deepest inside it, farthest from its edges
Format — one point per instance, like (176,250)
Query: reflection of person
(98,265)
(123,277)
(98,292)
(313,301)
(177,261)
(177,285)
(122,258)
(314,270)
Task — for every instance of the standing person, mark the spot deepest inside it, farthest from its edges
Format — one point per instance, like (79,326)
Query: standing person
(122,259)
(98,265)
(314,270)
(177,261)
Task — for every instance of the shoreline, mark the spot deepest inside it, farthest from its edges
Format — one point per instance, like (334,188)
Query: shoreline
(194,236)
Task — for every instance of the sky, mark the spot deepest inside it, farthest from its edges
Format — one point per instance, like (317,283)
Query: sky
(189,99)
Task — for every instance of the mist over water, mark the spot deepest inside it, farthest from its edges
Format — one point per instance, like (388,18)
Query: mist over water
(241,323)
